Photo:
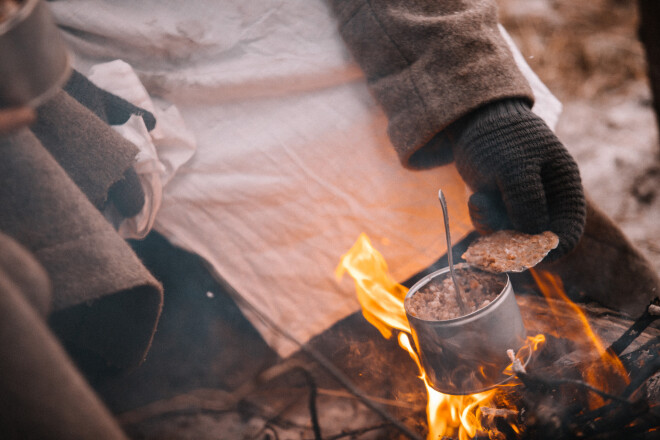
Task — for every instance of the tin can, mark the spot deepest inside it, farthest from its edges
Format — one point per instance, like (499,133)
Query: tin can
(467,355)
(34,61)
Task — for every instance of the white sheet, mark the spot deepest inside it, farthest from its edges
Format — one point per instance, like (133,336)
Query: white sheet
(292,160)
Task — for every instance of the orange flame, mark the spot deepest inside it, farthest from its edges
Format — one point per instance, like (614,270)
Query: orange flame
(382,299)
(605,374)
(449,415)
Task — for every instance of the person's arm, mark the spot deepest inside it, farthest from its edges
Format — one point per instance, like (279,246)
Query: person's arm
(428,63)
(450,87)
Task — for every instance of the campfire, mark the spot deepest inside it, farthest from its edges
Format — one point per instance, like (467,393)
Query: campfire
(589,391)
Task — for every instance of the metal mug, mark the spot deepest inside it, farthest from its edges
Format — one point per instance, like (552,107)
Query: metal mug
(34,61)
(467,355)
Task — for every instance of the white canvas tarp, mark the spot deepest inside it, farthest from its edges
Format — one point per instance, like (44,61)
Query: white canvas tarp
(292,160)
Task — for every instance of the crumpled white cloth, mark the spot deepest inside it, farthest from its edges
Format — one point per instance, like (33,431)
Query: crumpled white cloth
(546,105)
(161,152)
(292,162)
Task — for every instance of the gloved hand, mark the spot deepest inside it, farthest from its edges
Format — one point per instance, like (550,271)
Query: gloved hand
(522,176)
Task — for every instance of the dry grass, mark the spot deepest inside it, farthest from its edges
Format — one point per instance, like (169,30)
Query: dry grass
(579,49)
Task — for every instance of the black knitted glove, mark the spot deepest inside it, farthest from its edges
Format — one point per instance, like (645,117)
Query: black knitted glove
(522,176)
(108,107)
(127,194)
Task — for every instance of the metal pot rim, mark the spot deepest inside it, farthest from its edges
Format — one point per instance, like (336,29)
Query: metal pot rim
(460,319)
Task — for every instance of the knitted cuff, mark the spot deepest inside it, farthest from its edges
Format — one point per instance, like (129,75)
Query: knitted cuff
(488,116)
(504,147)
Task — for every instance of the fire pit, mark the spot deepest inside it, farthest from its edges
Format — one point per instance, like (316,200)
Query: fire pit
(574,386)
(570,389)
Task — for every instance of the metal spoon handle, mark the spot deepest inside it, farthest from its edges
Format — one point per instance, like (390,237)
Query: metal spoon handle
(445,215)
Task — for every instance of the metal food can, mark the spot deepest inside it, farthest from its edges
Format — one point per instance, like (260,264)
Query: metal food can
(34,61)
(467,354)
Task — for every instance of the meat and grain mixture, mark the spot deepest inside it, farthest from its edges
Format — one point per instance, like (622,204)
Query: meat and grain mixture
(437,299)
(510,251)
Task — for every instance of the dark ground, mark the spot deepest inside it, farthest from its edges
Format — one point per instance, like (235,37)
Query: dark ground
(205,345)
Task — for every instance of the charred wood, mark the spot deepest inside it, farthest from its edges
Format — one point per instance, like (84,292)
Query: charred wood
(647,318)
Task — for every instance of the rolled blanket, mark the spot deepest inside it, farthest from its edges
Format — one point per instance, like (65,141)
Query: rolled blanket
(20,269)
(104,299)
(90,151)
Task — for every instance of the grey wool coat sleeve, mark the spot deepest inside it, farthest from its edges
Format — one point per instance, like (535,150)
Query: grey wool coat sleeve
(428,63)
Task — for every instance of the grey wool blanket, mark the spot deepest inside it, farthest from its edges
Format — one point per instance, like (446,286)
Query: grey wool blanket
(91,153)
(104,301)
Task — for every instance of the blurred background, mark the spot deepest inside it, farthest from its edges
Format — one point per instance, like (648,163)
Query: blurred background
(590,56)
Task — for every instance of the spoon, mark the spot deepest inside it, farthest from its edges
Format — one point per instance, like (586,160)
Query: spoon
(445,215)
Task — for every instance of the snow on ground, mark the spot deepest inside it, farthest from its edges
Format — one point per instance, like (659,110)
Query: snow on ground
(615,142)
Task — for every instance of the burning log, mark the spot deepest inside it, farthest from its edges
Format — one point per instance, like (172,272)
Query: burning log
(553,412)
(554,402)
(650,315)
